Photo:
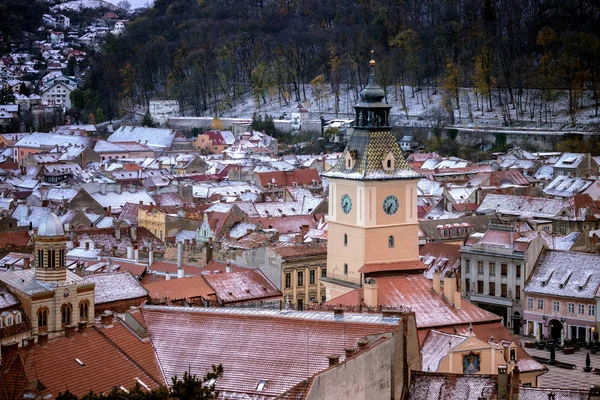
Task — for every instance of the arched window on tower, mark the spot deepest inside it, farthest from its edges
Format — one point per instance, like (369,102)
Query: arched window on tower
(61,258)
(345,239)
(83,310)
(391,242)
(42,315)
(40,259)
(389,163)
(65,314)
(51,258)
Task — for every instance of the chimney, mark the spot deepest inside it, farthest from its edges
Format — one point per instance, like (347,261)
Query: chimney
(362,344)
(133,232)
(106,318)
(8,351)
(117,232)
(42,339)
(109,266)
(349,352)
(150,257)
(333,359)
(81,325)
(514,382)
(26,263)
(502,382)
(370,292)
(299,239)
(437,280)
(136,254)
(167,276)
(103,188)
(70,331)
(338,313)
(450,286)
(228,267)
(129,252)
(179,255)
(181,213)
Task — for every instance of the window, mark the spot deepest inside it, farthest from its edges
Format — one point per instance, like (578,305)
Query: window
(345,239)
(18,317)
(83,310)
(571,308)
(311,277)
(389,164)
(513,354)
(492,269)
(540,304)
(581,308)
(323,299)
(262,384)
(51,258)
(503,291)
(300,304)
(591,310)
(9,321)
(467,285)
(391,242)
(42,315)
(518,271)
(492,290)
(556,306)
(41,258)
(65,314)
(529,302)
(300,278)
(345,269)
(467,266)
(480,287)
(288,280)
(61,258)
(518,292)
(480,267)
(503,269)
(323,272)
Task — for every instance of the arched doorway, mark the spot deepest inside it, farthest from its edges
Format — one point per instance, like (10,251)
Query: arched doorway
(555,328)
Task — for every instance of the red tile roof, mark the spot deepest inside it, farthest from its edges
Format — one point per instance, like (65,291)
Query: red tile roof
(287,224)
(287,178)
(250,285)
(253,345)
(302,250)
(16,239)
(416,265)
(107,364)
(181,289)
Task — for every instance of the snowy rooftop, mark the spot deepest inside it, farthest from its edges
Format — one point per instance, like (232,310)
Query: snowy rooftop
(116,286)
(49,140)
(153,137)
(566,186)
(557,273)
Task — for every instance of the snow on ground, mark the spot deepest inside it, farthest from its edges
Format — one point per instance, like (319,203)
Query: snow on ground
(423,108)
(76,5)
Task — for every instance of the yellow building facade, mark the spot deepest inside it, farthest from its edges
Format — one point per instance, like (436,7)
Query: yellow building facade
(153,219)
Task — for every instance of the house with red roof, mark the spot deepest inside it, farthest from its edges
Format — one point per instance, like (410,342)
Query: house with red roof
(214,142)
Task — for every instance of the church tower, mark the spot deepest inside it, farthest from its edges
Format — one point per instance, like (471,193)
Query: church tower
(50,250)
(373,224)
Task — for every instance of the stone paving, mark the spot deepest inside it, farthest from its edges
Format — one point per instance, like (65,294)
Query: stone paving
(569,378)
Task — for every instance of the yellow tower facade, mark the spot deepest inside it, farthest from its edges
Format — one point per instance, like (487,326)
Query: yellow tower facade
(373,223)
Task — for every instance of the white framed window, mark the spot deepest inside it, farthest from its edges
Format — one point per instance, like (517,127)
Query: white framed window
(591,310)
(581,308)
(480,267)
(530,302)
(492,269)
(571,308)
(556,306)
(540,304)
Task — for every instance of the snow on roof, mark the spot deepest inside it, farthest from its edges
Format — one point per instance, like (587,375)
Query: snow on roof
(112,287)
(555,274)
(524,206)
(569,160)
(153,137)
(117,200)
(50,140)
(566,186)
(545,172)
(436,347)
(29,214)
(241,229)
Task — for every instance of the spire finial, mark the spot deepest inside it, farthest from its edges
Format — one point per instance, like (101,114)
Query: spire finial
(372,62)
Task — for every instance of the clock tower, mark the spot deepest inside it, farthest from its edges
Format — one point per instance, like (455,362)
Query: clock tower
(373,224)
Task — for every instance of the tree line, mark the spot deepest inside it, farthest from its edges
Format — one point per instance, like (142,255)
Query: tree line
(520,55)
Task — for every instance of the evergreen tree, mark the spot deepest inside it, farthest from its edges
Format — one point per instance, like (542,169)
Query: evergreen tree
(148,120)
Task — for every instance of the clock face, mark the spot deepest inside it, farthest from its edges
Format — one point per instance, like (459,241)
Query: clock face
(346,204)
(390,205)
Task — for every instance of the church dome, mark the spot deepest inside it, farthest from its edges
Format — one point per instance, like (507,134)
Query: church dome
(50,225)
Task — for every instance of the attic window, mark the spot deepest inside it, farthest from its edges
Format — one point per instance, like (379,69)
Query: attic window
(78,361)
(142,384)
(389,162)
(212,382)
(262,384)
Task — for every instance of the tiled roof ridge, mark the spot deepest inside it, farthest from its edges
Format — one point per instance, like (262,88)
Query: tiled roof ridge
(356,318)
(127,356)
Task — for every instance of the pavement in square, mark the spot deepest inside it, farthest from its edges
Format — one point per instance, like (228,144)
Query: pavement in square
(569,378)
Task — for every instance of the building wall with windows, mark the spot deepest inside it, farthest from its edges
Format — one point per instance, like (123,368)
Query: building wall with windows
(494,268)
(301,280)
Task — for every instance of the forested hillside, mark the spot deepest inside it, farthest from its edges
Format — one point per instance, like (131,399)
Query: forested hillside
(206,53)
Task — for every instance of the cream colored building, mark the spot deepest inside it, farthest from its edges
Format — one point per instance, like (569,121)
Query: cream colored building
(52,297)
(153,219)
(373,223)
